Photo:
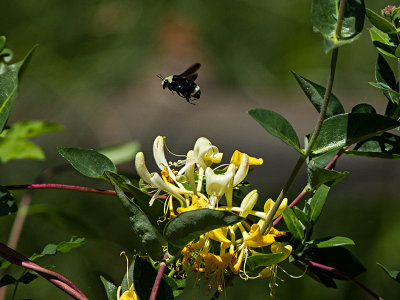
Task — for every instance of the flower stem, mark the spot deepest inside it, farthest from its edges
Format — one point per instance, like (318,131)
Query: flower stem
(303,192)
(340,273)
(158,279)
(268,222)
(58,280)
(58,187)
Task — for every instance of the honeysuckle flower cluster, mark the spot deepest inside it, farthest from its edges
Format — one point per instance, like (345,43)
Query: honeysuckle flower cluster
(193,183)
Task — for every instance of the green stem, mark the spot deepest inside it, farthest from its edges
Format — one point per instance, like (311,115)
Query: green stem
(268,222)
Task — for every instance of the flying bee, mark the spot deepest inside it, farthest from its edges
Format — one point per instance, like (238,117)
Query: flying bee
(183,84)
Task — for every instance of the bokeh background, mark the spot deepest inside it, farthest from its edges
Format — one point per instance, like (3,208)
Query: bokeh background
(95,73)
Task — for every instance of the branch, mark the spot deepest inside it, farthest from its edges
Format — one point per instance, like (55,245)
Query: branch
(58,280)
(340,273)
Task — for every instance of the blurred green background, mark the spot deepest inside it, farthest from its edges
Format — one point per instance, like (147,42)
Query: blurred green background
(95,73)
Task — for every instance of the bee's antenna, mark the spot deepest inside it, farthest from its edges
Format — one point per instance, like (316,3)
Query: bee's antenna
(160,76)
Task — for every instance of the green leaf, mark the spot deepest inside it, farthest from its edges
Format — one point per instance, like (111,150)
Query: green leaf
(88,162)
(384,73)
(318,175)
(392,274)
(332,242)
(152,240)
(293,223)
(336,257)
(383,42)
(386,145)
(397,52)
(363,108)
(19,149)
(324,14)
(315,94)
(346,129)
(277,126)
(379,22)
(62,247)
(321,276)
(9,80)
(7,203)
(190,225)
(256,263)
(301,216)
(29,129)
(177,285)
(144,277)
(121,153)
(142,200)
(111,289)
(317,202)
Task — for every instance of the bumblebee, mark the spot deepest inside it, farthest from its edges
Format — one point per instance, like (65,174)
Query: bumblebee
(183,84)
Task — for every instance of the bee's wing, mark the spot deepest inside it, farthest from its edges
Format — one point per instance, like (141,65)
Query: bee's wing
(191,70)
(192,77)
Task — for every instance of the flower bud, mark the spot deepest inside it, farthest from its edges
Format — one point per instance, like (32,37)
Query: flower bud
(248,203)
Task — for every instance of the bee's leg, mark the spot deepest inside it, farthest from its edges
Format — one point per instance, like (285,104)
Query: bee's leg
(188,100)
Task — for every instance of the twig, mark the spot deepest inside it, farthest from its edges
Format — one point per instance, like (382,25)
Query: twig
(340,273)
(158,279)
(58,280)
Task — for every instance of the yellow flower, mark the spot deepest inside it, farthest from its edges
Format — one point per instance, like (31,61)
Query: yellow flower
(127,295)
(236,158)
(256,239)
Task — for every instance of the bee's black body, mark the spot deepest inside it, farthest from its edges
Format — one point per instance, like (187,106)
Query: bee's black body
(184,84)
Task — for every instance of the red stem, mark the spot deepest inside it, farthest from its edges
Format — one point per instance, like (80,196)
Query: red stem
(303,192)
(340,273)
(157,282)
(58,280)
(58,187)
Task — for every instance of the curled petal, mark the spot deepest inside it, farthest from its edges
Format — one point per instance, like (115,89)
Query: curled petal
(217,184)
(205,154)
(236,158)
(158,152)
(248,203)
(242,171)
(141,168)
(157,181)
(256,239)
(219,235)
(270,203)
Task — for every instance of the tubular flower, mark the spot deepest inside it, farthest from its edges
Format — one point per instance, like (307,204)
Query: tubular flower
(195,183)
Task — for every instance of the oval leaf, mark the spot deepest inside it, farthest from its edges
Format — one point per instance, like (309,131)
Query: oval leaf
(256,263)
(317,202)
(346,129)
(190,225)
(383,42)
(315,93)
(152,241)
(324,18)
(88,162)
(379,22)
(386,145)
(334,242)
(392,274)
(277,126)
(318,175)
(111,289)
(10,75)
(294,225)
